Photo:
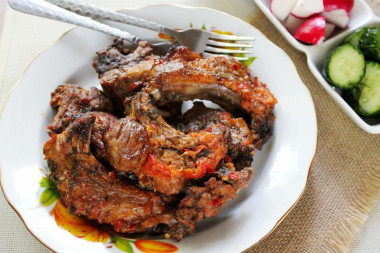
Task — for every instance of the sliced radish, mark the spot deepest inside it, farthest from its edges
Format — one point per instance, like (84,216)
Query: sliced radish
(312,31)
(331,5)
(292,23)
(329,30)
(338,17)
(307,8)
(281,8)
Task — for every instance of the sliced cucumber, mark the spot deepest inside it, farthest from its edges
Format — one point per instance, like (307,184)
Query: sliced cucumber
(369,43)
(354,38)
(345,67)
(369,98)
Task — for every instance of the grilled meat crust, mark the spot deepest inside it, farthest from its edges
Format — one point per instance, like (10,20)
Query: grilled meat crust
(240,141)
(222,80)
(138,173)
(71,101)
(127,145)
(121,71)
(176,157)
(116,56)
(89,189)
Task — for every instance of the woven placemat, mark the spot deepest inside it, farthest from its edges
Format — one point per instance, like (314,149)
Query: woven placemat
(344,181)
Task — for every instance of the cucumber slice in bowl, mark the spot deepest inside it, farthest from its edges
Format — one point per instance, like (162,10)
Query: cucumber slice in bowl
(369,43)
(354,38)
(369,98)
(345,67)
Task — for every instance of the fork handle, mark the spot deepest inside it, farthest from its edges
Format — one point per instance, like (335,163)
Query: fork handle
(46,10)
(90,10)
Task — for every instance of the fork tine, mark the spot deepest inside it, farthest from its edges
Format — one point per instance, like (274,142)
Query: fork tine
(236,58)
(226,51)
(226,44)
(218,36)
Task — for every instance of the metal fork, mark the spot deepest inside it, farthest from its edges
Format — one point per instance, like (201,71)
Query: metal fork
(198,40)
(205,42)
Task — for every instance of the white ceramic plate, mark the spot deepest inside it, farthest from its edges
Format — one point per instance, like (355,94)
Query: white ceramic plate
(361,16)
(281,168)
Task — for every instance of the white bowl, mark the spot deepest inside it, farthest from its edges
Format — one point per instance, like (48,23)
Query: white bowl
(361,16)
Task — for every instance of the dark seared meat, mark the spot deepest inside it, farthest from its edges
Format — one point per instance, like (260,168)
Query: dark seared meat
(89,189)
(176,157)
(139,173)
(103,122)
(127,145)
(71,102)
(125,81)
(222,80)
(116,56)
(122,72)
(238,179)
(240,143)
(181,54)
(200,202)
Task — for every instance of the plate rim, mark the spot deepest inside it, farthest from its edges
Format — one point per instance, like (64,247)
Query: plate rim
(38,54)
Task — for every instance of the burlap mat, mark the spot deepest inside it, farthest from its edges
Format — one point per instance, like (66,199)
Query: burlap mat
(344,180)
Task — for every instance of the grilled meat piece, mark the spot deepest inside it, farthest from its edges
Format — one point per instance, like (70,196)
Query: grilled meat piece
(71,102)
(238,179)
(181,54)
(122,72)
(127,145)
(89,189)
(222,80)
(176,157)
(103,122)
(184,173)
(116,56)
(200,202)
(240,143)
(235,168)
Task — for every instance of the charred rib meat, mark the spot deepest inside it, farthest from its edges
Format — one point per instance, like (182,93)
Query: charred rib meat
(240,142)
(222,80)
(176,157)
(116,159)
(121,71)
(71,102)
(89,189)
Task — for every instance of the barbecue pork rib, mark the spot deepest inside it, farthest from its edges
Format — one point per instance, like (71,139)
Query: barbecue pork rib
(185,75)
(91,190)
(240,141)
(175,157)
(71,101)
(128,160)
(122,71)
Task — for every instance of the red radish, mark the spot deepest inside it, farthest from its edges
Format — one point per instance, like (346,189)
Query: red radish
(312,31)
(281,8)
(292,23)
(307,8)
(338,17)
(331,5)
(329,29)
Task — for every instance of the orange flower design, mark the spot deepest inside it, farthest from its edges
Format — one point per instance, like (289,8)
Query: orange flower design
(77,225)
